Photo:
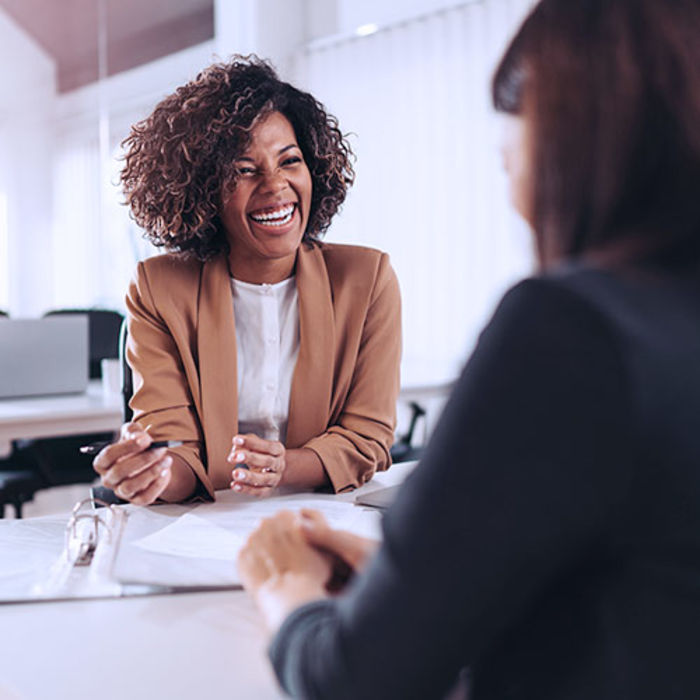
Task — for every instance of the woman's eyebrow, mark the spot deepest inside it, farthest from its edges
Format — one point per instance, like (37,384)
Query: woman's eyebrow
(279,153)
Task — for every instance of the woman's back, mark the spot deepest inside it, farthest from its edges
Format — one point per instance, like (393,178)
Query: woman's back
(550,538)
(624,621)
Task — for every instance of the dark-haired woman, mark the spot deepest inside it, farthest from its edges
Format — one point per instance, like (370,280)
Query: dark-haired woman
(271,356)
(550,538)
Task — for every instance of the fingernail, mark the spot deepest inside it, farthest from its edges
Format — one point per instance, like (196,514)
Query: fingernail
(240,456)
(143,440)
(164,471)
(230,458)
(240,475)
(237,487)
(238,441)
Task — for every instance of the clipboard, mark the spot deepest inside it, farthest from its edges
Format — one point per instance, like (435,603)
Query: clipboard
(85,568)
(158,550)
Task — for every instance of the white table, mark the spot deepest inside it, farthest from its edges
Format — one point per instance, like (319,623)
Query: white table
(53,416)
(202,645)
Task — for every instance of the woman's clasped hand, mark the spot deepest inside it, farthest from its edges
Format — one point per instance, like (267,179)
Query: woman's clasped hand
(293,558)
(258,464)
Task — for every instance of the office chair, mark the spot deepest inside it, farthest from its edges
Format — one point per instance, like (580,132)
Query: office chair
(403,450)
(125,373)
(102,493)
(18,488)
(103,335)
(18,480)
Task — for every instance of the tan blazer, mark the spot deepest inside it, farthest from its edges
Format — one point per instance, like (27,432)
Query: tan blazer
(182,349)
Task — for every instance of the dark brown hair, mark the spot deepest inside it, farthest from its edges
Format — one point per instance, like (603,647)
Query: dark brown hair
(612,88)
(179,158)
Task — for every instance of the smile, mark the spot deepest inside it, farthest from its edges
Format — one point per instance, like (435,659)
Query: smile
(274,217)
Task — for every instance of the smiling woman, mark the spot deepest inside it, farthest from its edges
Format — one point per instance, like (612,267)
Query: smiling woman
(273,357)
(266,212)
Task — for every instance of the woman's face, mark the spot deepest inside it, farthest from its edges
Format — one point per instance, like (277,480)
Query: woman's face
(517,162)
(266,213)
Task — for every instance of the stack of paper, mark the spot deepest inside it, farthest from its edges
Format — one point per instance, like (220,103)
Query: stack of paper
(199,547)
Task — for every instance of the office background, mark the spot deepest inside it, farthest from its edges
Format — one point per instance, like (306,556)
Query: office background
(409,79)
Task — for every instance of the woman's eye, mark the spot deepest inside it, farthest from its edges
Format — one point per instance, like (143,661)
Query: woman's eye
(292,160)
(245,170)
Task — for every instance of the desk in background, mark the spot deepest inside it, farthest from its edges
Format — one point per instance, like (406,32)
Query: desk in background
(199,645)
(95,412)
(54,416)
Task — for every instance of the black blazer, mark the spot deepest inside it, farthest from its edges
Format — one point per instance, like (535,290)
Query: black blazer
(550,538)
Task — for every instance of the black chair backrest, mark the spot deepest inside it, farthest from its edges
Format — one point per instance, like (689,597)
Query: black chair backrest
(103,335)
(403,450)
(127,377)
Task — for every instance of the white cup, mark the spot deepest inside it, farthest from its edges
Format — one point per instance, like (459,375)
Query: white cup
(111,377)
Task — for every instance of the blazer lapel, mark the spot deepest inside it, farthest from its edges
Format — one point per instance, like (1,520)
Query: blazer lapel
(216,345)
(312,383)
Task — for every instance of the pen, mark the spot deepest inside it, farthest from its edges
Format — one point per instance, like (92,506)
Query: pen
(94,447)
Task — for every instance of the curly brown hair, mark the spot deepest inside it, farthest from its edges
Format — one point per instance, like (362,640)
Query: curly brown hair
(179,158)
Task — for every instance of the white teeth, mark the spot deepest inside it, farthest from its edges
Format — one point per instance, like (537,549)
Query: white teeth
(278,217)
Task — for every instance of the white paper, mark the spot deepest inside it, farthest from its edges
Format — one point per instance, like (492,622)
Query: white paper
(192,536)
(217,532)
(243,514)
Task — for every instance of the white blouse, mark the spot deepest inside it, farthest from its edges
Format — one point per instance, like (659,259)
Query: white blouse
(267,338)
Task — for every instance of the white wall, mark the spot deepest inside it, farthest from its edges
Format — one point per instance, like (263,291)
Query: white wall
(28,86)
(273,29)
(322,18)
(235,26)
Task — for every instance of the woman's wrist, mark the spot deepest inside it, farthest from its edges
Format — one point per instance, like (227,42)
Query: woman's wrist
(183,481)
(282,594)
(304,469)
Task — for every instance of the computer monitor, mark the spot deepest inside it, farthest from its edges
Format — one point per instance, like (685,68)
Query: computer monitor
(43,356)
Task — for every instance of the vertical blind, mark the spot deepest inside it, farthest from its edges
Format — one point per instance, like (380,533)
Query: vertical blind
(430,188)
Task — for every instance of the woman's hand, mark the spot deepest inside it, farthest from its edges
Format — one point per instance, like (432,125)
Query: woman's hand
(131,470)
(280,569)
(350,552)
(265,461)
